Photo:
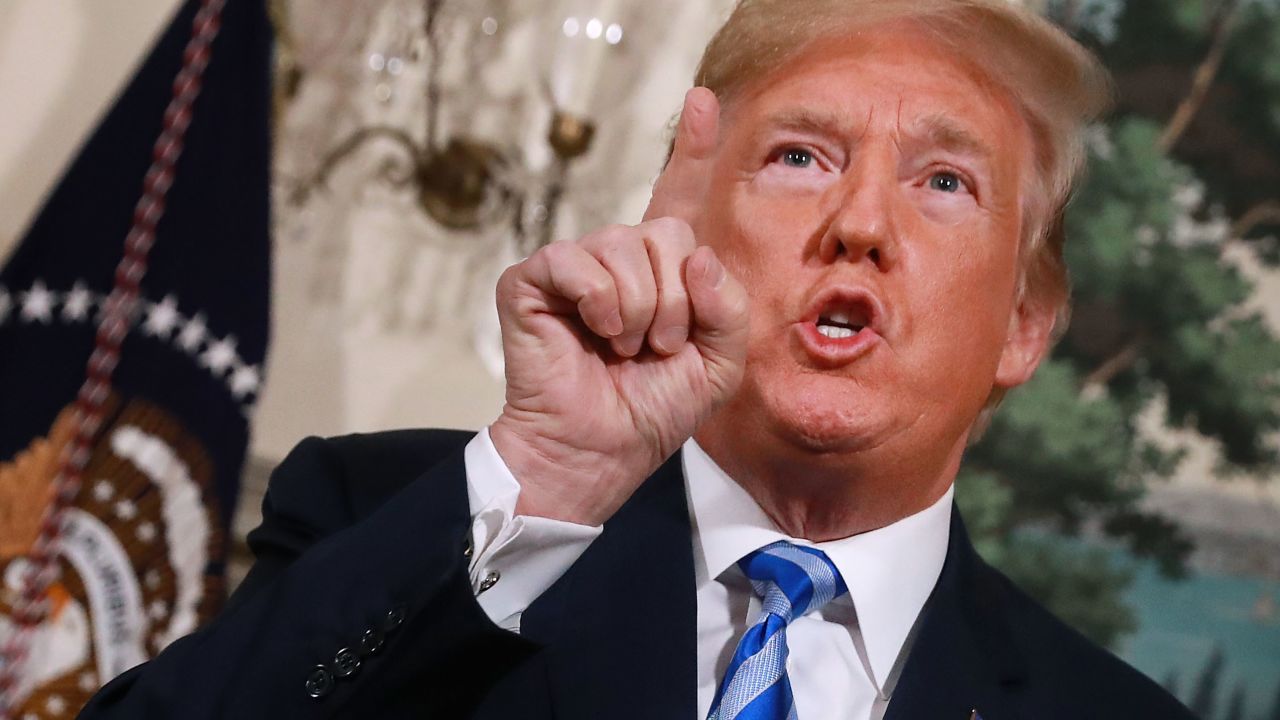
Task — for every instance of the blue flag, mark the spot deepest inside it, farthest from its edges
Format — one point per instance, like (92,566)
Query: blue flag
(142,548)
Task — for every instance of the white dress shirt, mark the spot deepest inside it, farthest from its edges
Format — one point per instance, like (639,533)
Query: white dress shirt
(844,659)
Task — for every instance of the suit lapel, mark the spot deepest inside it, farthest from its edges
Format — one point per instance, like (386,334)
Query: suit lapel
(964,657)
(620,626)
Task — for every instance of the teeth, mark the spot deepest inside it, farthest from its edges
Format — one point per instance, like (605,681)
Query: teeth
(841,318)
(836,332)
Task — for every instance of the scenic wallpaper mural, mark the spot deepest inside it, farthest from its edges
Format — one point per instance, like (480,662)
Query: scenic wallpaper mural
(1132,485)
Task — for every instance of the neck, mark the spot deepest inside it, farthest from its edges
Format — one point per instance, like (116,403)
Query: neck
(823,495)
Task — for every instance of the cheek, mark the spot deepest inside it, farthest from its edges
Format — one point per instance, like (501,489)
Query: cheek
(965,295)
(761,239)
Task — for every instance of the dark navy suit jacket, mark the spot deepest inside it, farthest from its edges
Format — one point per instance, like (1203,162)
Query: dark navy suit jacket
(363,548)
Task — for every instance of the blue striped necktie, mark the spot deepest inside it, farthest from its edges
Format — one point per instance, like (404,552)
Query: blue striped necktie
(793,580)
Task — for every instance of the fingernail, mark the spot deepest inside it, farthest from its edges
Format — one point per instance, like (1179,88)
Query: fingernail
(715,271)
(670,339)
(629,346)
(691,100)
(613,324)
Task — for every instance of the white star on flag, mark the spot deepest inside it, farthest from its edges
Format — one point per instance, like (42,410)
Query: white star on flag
(220,355)
(157,610)
(88,681)
(193,333)
(126,510)
(102,491)
(5,303)
(146,532)
(37,303)
(245,380)
(76,304)
(162,318)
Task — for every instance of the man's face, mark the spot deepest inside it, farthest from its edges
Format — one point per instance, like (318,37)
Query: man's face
(868,196)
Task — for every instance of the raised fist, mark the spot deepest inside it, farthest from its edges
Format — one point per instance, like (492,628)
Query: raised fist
(619,344)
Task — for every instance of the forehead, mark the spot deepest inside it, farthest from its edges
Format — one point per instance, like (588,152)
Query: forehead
(895,77)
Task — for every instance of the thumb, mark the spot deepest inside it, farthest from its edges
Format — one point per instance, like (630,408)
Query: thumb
(720,319)
(683,184)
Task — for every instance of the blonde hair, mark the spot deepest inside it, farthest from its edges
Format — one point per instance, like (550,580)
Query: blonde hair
(1057,85)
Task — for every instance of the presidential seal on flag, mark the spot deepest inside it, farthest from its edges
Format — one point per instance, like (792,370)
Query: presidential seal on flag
(135,552)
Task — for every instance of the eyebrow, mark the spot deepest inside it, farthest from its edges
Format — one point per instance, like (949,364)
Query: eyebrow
(941,131)
(809,120)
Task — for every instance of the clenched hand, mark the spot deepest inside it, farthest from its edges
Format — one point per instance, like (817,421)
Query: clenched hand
(619,344)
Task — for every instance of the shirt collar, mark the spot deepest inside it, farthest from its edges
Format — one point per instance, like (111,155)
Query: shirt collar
(890,571)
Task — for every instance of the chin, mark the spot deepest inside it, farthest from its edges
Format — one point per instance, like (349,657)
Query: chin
(823,414)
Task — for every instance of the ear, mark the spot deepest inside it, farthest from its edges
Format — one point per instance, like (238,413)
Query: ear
(1027,342)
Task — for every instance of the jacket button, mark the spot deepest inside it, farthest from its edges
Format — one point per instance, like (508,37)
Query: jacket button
(371,642)
(469,550)
(393,619)
(346,663)
(319,682)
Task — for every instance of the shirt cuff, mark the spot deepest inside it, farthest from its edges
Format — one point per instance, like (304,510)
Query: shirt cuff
(515,558)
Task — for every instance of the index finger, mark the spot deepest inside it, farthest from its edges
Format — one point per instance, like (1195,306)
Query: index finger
(683,184)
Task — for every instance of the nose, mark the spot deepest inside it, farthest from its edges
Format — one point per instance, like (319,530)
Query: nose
(863,226)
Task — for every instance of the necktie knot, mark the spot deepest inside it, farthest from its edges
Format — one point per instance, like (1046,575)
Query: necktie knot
(792,580)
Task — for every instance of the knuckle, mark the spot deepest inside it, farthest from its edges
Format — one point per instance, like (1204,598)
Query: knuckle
(511,278)
(673,232)
(666,225)
(622,242)
(608,237)
(597,290)
(552,253)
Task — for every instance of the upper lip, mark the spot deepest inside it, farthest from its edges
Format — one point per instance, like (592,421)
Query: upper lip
(859,301)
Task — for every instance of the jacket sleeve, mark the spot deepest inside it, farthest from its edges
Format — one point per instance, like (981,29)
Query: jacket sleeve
(336,612)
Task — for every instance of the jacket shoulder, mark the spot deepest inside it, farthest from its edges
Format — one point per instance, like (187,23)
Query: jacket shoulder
(1069,675)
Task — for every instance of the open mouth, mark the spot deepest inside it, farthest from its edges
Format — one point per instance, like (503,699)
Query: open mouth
(842,323)
(842,315)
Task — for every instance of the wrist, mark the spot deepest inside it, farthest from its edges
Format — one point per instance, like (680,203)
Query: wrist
(559,481)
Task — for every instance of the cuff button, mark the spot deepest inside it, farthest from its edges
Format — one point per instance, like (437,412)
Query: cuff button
(490,580)
(319,682)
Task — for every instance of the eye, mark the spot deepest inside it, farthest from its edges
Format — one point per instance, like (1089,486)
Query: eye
(946,182)
(797,158)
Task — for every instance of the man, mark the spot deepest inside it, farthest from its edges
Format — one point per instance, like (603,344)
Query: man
(849,257)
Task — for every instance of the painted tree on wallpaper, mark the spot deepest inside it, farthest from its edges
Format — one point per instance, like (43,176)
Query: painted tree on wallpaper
(1187,169)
